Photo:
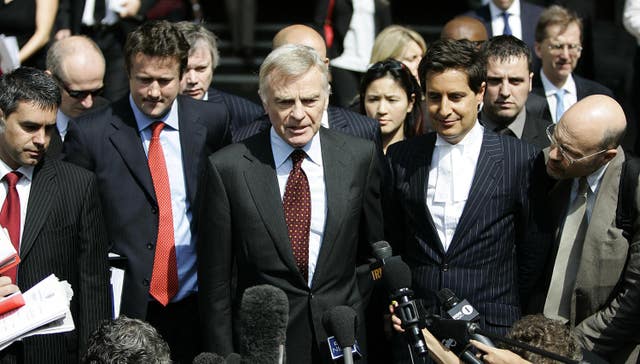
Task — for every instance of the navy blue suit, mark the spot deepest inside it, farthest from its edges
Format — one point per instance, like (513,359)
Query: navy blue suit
(241,111)
(495,251)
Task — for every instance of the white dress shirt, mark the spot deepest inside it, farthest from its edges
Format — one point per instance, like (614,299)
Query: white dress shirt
(570,94)
(450,177)
(313,168)
(593,183)
(23,186)
(497,22)
(358,42)
(62,123)
(180,205)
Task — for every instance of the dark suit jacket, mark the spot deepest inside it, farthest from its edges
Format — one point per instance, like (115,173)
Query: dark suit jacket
(241,111)
(584,88)
(64,234)
(605,300)
(534,131)
(242,221)
(69,15)
(339,119)
(494,251)
(107,142)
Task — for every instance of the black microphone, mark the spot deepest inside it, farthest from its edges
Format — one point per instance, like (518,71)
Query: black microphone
(264,314)
(234,358)
(381,251)
(341,321)
(208,358)
(461,310)
(397,279)
(453,334)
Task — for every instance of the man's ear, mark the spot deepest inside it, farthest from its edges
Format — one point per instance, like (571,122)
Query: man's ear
(609,155)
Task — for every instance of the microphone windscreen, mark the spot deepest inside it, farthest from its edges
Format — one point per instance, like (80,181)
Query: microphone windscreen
(396,274)
(264,314)
(340,321)
(208,358)
(447,298)
(234,358)
(381,250)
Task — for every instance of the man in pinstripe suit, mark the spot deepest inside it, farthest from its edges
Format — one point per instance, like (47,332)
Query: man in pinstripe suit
(457,205)
(61,228)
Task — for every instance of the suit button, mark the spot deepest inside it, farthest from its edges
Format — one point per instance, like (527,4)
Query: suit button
(154,209)
(150,246)
(444,267)
(145,282)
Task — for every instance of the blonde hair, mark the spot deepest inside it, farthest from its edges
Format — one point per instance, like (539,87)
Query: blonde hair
(391,42)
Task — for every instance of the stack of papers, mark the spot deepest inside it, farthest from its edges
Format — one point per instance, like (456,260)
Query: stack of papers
(46,311)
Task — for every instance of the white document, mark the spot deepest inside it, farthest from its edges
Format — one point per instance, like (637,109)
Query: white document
(46,311)
(8,254)
(9,49)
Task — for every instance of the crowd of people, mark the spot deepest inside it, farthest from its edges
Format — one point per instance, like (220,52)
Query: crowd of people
(489,165)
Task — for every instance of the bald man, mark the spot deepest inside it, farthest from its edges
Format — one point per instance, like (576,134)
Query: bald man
(77,65)
(593,280)
(335,118)
(464,27)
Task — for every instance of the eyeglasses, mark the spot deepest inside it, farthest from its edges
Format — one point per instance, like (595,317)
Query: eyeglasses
(557,48)
(554,144)
(79,94)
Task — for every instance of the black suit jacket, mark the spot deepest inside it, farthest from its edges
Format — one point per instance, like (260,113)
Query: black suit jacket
(107,142)
(242,221)
(241,111)
(534,130)
(584,88)
(339,119)
(69,15)
(64,234)
(495,251)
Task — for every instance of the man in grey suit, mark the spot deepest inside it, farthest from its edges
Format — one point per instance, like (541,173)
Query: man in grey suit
(247,218)
(457,205)
(508,84)
(58,226)
(592,279)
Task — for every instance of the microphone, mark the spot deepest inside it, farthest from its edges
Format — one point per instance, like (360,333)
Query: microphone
(381,251)
(341,322)
(208,358)
(397,279)
(461,310)
(234,358)
(264,314)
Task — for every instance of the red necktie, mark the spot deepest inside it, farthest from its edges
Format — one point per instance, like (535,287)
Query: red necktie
(10,216)
(297,212)
(164,279)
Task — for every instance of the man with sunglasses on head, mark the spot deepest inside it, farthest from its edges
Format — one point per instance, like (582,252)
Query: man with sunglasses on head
(592,277)
(77,65)
(559,45)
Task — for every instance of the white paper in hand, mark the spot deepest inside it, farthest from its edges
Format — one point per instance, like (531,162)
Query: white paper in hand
(9,59)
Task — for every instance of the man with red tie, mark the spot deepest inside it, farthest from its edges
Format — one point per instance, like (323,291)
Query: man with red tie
(52,213)
(147,150)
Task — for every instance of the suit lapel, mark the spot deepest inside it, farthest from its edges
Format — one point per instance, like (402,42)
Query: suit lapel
(192,140)
(337,177)
(41,195)
(489,166)
(336,119)
(126,139)
(262,183)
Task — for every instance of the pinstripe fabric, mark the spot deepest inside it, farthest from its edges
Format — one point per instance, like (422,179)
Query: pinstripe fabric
(64,234)
(480,264)
(241,111)
(340,119)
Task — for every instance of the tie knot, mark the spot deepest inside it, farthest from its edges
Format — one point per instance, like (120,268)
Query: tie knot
(505,15)
(12,178)
(297,156)
(156,128)
(583,186)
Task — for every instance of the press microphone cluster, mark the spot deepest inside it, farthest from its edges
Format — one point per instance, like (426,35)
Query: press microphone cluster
(341,323)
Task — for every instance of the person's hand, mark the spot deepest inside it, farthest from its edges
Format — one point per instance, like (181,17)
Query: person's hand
(395,320)
(62,33)
(6,288)
(498,356)
(130,8)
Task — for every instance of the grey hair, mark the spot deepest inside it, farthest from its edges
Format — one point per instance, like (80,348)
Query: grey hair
(197,33)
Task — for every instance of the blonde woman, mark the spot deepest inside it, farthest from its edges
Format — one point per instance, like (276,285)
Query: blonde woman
(400,43)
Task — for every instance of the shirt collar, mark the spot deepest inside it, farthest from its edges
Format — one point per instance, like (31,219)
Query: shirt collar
(550,89)
(62,122)
(206,96)
(281,150)
(27,171)
(143,121)
(472,137)
(514,9)
(516,126)
(593,180)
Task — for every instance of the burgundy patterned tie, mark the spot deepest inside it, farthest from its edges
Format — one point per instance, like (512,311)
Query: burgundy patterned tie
(297,212)
(10,216)
(164,278)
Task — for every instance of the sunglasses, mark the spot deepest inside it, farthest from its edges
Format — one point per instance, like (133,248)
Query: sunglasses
(79,94)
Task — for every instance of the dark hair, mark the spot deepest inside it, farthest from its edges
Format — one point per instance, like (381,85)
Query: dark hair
(505,47)
(462,55)
(547,334)
(157,38)
(126,340)
(556,15)
(400,73)
(31,85)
